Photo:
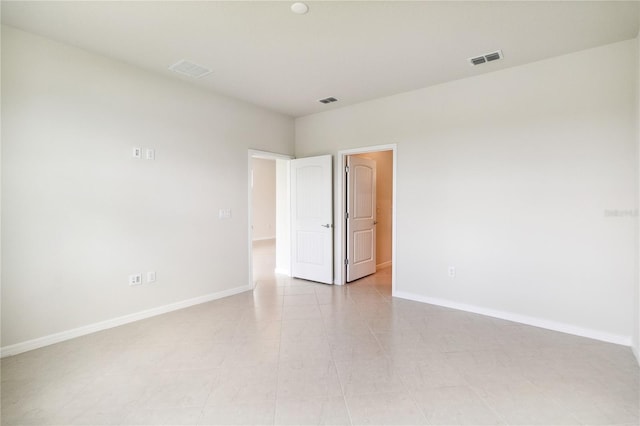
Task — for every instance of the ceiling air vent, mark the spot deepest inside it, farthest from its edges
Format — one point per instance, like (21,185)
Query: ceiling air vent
(191,69)
(327,100)
(493,56)
(487,57)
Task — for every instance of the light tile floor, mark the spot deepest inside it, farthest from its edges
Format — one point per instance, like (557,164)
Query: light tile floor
(297,353)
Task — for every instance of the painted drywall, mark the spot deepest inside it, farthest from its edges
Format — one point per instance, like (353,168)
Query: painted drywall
(516,178)
(264,199)
(384,204)
(80,214)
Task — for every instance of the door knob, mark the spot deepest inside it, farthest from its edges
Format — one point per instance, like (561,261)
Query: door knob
(375,222)
(327,225)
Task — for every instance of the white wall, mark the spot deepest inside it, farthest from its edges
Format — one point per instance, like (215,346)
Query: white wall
(264,199)
(507,176)
(80,215)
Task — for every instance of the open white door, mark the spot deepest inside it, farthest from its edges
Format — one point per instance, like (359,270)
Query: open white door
(361,217)
(312,219)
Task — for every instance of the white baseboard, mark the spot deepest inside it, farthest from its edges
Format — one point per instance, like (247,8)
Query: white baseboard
(114,322)
(522,319)
(383,265)
(264,239)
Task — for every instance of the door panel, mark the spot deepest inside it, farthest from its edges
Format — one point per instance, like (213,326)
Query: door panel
(361,221)
(312,219)
(362,246)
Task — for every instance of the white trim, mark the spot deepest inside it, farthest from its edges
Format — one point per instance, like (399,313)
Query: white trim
(384,265)
(340,242)
(265,239)
(114,322)
(266,155)
(522,319)
(254,153)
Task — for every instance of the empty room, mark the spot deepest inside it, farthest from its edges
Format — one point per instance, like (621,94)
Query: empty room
(322,212)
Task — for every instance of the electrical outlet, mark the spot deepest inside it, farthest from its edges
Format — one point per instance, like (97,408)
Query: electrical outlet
(150,154)
(151,276)
(135,279)
(137,152)
(224,214)
(452,271)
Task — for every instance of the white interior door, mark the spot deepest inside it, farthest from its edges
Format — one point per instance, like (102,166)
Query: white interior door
(312,219)
(361,217)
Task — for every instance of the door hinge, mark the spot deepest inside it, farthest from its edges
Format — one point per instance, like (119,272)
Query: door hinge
(346,215)
(346,261)
(346,169)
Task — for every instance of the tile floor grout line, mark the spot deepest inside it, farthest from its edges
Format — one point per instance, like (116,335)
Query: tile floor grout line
(335,366)
(275,405)
(490,406)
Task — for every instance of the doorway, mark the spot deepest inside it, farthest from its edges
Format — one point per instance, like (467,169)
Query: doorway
(269,211)
(384,158)
(283,220)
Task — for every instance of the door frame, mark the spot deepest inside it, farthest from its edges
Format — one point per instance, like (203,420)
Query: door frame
(254,153)
(340,225)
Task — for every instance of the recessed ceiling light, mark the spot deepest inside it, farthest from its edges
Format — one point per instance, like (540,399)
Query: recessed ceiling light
(299,8)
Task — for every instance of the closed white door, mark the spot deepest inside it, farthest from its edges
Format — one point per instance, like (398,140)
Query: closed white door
(312,219)
(361,217)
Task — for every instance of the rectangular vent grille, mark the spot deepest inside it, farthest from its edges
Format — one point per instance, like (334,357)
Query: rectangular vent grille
(327,100)
(492,56)
(191,69)
(487,57)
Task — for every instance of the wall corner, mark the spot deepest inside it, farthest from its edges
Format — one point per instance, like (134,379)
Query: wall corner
(636,333)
